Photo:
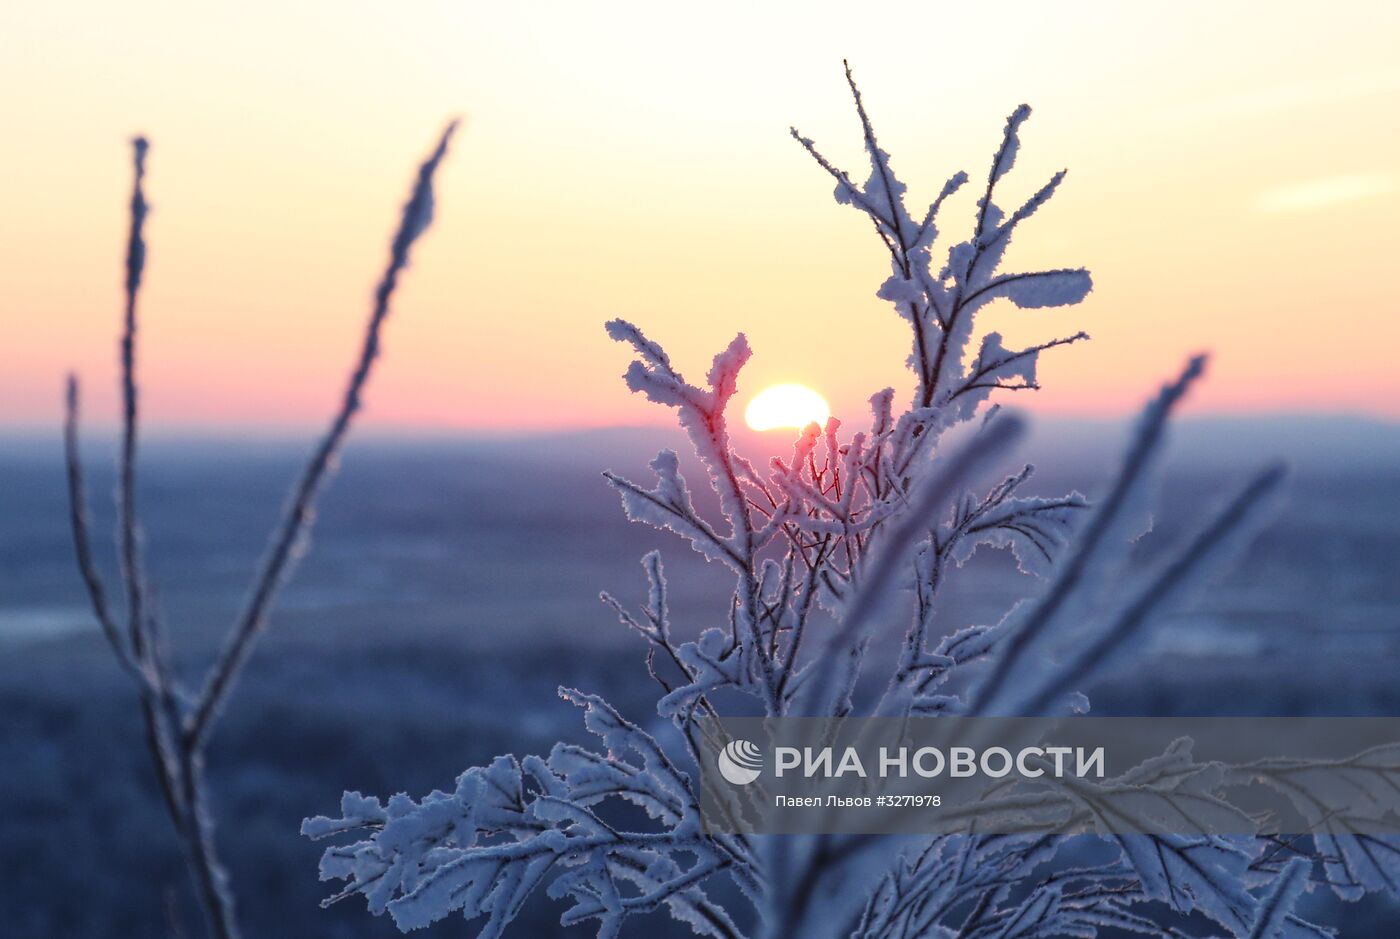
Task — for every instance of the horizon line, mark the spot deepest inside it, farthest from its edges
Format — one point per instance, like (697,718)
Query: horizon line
(165,431)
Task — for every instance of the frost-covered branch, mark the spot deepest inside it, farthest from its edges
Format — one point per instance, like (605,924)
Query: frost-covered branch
(177,727)
(826,545)
(516,826)
(296,522)
(941,302)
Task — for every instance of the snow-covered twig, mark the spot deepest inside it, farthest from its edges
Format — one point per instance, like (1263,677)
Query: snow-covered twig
(417,216)
(177,728)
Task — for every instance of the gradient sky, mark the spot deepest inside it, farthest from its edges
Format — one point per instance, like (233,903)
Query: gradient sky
(1234,184)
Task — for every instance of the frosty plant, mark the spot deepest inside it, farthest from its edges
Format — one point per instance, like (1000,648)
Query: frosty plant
(826,548)
(179,720)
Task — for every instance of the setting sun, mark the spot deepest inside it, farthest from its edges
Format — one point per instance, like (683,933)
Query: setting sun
(786,406)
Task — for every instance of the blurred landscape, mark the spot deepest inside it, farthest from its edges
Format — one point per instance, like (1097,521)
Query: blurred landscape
(452,585)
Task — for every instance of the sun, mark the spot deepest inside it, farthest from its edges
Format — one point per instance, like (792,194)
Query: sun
(786,406)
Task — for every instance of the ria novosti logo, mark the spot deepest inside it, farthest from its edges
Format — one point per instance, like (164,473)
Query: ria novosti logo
(740,762)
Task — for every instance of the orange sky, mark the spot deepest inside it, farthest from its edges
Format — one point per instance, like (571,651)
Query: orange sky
(1234,180)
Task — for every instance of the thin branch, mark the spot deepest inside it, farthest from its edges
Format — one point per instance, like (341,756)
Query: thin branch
(417,215)
(82,542)
(130,536)
(1090,542)
(1151,597)
(883,571)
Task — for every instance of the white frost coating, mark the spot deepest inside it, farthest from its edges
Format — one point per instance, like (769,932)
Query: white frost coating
(669,506)
(1043,289)
(1006,157)
(1036,529)
(700,412)
(510,826)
